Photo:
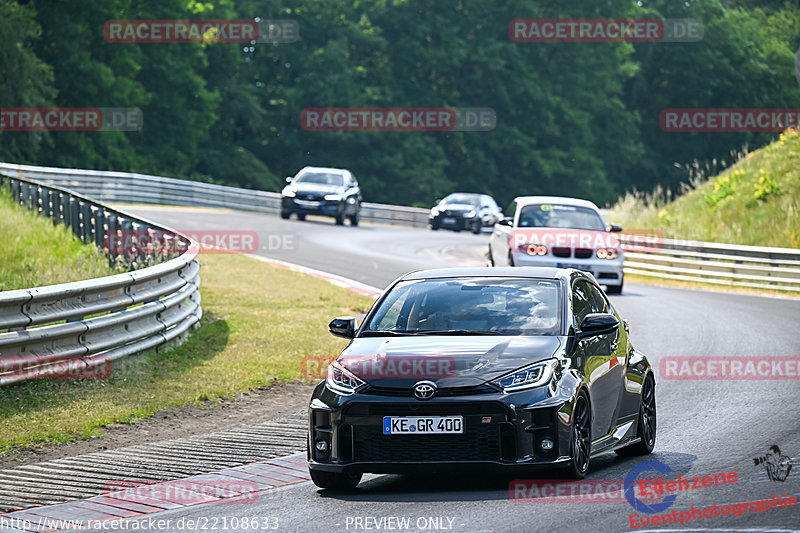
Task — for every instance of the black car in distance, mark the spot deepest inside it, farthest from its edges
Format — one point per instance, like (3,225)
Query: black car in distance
(463,210)
(499,368)
(332,192)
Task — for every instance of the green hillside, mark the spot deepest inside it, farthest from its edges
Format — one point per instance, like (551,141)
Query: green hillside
(755,202)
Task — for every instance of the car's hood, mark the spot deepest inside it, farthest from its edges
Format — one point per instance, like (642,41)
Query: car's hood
(448,361)
(315,188)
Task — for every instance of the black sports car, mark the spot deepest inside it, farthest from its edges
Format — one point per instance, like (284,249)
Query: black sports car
(467,211)
(498,367)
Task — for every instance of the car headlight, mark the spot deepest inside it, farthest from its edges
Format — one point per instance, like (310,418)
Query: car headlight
(333,197)
(470,214)
(534,249)
(287,192)
(341,380)
(607,253)
(434,211)
(527,377)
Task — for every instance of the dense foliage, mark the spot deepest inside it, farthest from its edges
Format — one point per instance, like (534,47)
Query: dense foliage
(572,118)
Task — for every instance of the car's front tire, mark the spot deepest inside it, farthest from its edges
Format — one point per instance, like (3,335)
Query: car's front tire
(615,289)
(301,216)
(335,480)
(580,438)
(646,430)
(476,227)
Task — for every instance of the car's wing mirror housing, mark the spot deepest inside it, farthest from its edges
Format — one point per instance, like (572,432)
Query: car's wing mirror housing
(614,228)
(288,179)
(343,326)
(595,324)
(505,221)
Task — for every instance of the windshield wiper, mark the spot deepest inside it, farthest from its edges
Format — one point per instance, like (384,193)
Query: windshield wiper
(458,332)
(386,332)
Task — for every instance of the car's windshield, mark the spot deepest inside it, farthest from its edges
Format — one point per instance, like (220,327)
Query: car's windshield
(470,199)
(320,179)
(487,305)
(560,216)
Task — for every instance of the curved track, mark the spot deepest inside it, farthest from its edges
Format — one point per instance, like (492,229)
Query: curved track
(705,427)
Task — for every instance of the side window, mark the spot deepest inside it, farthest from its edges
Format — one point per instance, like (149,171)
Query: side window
(586,298)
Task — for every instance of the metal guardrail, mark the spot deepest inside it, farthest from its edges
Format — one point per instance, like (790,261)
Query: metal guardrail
(733,265)
(126,187)
(73,328)
(721,264)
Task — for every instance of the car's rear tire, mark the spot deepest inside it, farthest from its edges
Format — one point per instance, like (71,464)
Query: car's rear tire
(615,289)
(580,444)
(646,429)
(491,257)
(510,259)
(476,227)
(335,480)
(285,215)
(301,216)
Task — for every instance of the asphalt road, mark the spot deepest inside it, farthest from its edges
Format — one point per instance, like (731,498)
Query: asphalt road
(704,427)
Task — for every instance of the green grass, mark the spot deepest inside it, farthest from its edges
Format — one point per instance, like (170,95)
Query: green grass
(260,322)
(36,253)
(755,202)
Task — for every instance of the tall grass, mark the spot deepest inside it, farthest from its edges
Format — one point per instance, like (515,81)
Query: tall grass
(34,252)
(755,201)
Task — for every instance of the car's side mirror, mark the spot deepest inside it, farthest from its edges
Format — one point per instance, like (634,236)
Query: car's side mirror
(505,221)
(288,179)
(614,228)
(595,324)
(343,326)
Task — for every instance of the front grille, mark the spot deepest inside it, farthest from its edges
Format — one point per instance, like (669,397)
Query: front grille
(479,442)
(583,253)
(308,196)
(425,408)
(560,251)
(440,393)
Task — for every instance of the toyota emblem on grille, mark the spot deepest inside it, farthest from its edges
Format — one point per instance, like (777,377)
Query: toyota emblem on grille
(424,390)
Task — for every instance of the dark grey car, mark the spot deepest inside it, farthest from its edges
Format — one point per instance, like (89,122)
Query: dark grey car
(331,192)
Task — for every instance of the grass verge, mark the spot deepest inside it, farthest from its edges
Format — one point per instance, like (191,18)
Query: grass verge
(260,322)
(34,252)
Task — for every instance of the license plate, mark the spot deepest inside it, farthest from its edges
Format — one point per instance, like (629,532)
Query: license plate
(448,220)
(423,425)
(307,203)
(570,265)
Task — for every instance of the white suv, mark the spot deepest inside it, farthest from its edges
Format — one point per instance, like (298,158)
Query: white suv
(559,232)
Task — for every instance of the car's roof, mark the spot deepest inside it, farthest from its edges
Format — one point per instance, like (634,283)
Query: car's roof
(562,200)
(484,272)
(325,169)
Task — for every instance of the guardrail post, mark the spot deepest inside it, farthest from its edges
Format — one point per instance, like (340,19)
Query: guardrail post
(112,238)
(99,226)
(35,199)
(46,201)
(75,216)
(23,195)
(127,230)
(63,200)
(86,222)
(14,190)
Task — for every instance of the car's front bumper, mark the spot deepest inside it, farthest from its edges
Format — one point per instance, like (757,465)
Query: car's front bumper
(501,431)
(330,208)
(605,271)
